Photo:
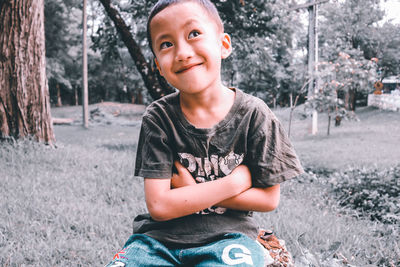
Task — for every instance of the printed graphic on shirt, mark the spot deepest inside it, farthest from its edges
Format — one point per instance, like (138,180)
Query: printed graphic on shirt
(209,169)
(235,254)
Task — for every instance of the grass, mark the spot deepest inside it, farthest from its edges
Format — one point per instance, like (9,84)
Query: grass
(73,205)
(69,206)
(310,222)
(372,140)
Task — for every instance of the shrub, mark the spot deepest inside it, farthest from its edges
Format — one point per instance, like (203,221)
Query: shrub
(373,193)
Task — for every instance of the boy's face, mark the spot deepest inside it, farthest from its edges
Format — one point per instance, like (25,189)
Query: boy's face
(189,46)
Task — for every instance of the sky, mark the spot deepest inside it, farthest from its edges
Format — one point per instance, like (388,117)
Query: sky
(392,8)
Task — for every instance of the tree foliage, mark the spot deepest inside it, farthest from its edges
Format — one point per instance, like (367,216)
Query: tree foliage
(357,25)
(338,77)
(268,41)
(261,34)
(350,36)
(63,48)
(387,39)
(112,76)
(349,25)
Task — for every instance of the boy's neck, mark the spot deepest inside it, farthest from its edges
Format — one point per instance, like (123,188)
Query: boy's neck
(207,108)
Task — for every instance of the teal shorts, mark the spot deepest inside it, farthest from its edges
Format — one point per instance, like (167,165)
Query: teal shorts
(233,249)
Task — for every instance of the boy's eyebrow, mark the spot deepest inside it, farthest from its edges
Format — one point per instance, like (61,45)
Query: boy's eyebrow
(167,35)
(190,21)
(163,36)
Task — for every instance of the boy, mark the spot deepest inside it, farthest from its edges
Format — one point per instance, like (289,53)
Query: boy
(228,151)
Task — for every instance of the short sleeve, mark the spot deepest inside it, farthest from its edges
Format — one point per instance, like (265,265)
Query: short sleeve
(154,158)
(271,157)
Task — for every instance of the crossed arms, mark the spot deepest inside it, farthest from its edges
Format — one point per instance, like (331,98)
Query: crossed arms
(186,197)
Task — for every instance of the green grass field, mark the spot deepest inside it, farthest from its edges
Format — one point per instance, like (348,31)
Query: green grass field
(73,205)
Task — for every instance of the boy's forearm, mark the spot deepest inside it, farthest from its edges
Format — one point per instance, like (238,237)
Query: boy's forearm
(165,203)
(254,199)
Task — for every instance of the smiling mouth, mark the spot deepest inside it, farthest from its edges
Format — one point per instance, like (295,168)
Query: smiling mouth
(187,68)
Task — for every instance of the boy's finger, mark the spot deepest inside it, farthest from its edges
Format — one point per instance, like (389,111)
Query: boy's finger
(178,165)
(182,170)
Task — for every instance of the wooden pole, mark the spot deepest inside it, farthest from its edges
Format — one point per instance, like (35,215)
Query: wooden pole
(312,61)
(312,7)
(316,60)
(85,102)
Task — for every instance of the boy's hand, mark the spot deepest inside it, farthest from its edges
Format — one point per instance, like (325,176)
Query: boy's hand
(165,203)
(182,178)
(241,176)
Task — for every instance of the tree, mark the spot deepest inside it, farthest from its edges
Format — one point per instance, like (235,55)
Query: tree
(155,84)
(262,34)
(327,100)
(388,40)
(356,74)
(24,97)
(335,77)
(261,30)
(63,48)
(112,73)
(350,26)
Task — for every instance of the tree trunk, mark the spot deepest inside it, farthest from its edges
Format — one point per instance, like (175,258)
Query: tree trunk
(338,120)
(139,98)
(76,97)
(59,101)
(149,74)
(24,94)
(329,124)
(292,107)
(352,99)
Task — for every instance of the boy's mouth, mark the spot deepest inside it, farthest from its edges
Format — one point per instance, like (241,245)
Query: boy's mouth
(187,67)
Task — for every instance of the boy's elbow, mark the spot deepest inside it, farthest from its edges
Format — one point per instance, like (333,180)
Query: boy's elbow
(158,212)
(158,215)
(270,205)
(274,203)
(162,211)
(274,194)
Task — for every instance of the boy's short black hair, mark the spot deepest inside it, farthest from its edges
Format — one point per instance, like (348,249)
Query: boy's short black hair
(162,4)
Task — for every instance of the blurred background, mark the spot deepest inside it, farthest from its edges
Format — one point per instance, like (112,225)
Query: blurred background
(270,40)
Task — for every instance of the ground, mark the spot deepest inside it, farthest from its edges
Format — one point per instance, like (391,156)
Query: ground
(370,141)
(73,205)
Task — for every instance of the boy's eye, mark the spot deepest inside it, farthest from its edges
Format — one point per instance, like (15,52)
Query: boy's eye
(193,34)
(165,45)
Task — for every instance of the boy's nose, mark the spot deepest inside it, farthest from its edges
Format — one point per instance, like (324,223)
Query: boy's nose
(184,51)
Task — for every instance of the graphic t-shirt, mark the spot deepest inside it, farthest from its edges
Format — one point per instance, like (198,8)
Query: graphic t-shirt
(249,134)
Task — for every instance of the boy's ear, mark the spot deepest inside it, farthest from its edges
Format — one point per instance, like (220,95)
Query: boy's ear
(158,66)
(226,48)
